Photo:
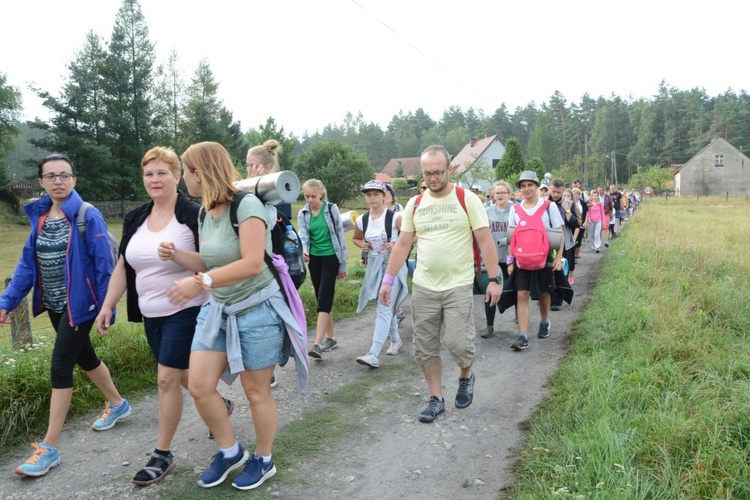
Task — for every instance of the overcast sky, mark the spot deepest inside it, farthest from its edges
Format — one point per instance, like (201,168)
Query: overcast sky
(307,63)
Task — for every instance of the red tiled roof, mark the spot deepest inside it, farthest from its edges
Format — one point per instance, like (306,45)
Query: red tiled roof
(409,166)
(380,176)
(471,152)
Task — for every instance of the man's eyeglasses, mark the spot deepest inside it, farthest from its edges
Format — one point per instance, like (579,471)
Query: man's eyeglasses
(65,177)
(502,192)
(436,174)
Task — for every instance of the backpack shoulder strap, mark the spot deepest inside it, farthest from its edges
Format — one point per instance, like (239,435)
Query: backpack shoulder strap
(365,220)
(461,195)
(233,211)
(416,203)
(81,218)
(388,224)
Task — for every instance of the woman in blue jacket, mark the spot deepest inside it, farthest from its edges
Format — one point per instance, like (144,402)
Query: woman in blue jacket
(70,278)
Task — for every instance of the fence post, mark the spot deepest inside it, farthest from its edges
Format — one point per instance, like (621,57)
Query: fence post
(20,327)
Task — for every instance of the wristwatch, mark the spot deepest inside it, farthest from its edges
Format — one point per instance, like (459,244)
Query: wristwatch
(208,281)
(496,279)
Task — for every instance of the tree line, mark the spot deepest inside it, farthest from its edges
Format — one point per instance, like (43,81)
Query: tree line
(117,102)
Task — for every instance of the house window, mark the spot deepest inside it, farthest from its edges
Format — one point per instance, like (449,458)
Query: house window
(719,161)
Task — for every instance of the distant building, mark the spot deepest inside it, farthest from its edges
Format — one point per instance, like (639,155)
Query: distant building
(717,169)
(408,165)
(24,190)
(380,176)
(487,152)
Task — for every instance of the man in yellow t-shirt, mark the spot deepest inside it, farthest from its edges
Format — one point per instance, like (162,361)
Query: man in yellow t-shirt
(442,299)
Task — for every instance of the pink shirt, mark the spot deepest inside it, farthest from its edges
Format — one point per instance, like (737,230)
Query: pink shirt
(596,212)
(153,276)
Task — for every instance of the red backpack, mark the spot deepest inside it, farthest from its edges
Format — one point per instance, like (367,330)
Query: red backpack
(530,243)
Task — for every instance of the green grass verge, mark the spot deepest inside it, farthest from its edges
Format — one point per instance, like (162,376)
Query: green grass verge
(25,381)
(653,399)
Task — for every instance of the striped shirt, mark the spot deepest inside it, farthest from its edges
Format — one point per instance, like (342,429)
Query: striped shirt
(51,249)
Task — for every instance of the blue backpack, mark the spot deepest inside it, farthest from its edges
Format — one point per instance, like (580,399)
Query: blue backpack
(114,246)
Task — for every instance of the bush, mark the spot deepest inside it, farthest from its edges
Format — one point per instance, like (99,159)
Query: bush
(25,386)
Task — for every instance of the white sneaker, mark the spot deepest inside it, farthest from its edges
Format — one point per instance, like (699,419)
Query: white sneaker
(395,347)
(369,360)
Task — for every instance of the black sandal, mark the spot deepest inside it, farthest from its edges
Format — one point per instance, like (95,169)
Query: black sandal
(157,467)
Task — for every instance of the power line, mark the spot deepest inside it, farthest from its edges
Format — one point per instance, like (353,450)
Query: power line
(422,53)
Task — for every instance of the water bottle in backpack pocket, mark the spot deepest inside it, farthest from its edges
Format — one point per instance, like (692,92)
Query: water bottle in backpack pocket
(292,253)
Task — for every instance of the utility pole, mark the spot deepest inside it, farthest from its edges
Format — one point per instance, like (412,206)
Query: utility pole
(586,160)
(614,168)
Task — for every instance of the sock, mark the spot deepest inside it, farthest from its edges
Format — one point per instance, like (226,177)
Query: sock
(117,407)
(266,459)
(545,320)
(231,452)
(525,335)
(161,452)
(53,448)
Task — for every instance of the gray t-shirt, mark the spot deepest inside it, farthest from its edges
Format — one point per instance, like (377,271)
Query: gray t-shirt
(221,246)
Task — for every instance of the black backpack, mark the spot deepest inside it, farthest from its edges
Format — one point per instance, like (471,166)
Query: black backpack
(388,223)
(278,235)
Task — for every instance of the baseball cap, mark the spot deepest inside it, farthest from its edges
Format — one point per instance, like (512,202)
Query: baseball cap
(374,186)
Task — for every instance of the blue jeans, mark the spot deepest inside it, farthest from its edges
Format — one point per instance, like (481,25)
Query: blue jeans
(385,322)
(261,336)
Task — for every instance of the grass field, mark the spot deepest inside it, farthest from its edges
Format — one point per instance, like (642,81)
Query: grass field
(653,399)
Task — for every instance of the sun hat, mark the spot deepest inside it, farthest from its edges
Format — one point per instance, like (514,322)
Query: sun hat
(374,186)
(527,175)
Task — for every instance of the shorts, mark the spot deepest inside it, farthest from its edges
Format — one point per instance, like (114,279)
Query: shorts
(170,337)
(261,334)
(443,318)
(523,279)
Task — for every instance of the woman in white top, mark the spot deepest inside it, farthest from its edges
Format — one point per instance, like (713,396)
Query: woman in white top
(169,217)
(378,241)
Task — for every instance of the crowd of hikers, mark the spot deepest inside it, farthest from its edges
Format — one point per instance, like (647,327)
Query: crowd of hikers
(218,301)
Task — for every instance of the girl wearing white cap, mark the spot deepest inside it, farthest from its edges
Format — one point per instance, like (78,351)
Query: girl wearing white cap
(378,239)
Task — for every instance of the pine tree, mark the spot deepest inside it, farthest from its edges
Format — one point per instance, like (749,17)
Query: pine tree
(512,163)
(129,90)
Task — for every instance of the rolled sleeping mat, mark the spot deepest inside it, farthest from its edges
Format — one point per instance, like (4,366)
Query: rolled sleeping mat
(349,219)
(275,189)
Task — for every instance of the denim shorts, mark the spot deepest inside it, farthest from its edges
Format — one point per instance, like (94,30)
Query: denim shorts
(170,337)
(261,334)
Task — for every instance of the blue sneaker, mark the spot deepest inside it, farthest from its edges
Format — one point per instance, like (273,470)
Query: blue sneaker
(220,467)
(111,415)
(255,472)
(44,458)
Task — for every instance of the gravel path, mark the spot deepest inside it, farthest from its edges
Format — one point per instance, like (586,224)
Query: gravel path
(465,452)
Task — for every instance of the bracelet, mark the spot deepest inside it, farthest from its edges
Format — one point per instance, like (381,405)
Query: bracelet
(389,279)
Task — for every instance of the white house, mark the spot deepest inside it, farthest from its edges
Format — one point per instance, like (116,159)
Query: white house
(717,169)
(479,154)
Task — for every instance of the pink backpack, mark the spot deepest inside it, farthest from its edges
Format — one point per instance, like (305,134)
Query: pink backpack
(530,243)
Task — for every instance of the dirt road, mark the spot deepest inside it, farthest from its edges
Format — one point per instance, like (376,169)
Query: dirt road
(465,452)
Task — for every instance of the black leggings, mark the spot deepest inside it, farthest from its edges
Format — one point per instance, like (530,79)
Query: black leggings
(72,346)
(323,273)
